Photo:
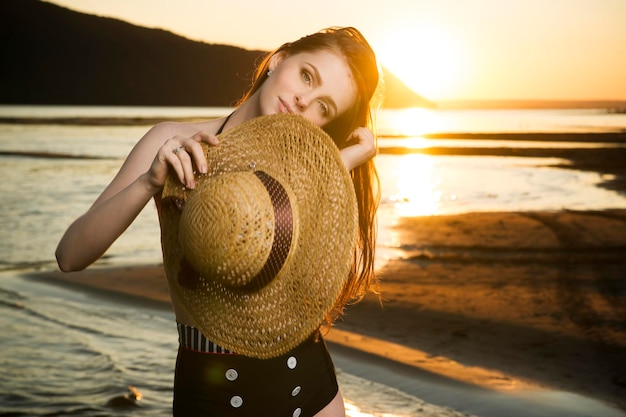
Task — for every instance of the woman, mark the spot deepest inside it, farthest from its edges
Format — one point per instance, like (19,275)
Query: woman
(328,77)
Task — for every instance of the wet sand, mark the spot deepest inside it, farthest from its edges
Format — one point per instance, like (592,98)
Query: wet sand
(509,300)
(479,312)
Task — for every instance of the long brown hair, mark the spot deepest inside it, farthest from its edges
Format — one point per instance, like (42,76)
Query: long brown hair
(351,44)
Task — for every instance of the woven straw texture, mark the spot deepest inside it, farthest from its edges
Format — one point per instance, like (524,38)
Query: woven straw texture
(217,237)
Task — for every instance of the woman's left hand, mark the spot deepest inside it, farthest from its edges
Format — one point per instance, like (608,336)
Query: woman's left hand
(363,150)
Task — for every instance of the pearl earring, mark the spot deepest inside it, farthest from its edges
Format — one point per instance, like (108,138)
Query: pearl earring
(269,73)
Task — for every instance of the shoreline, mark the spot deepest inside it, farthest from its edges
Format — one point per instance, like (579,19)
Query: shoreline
(510,303)
(607,161)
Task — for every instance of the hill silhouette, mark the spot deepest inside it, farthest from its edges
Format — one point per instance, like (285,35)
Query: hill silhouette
(398,95)
(53,55)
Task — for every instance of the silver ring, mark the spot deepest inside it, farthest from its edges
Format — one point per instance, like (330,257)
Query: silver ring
(177,150)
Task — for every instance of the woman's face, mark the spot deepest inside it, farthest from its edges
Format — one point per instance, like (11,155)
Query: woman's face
(317,85)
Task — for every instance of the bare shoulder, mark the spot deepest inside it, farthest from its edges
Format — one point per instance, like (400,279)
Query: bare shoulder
(168,130)
(159,134)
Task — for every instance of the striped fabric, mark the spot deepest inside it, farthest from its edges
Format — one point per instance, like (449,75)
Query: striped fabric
(191,338)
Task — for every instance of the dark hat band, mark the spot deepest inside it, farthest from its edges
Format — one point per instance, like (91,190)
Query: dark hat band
(283,232)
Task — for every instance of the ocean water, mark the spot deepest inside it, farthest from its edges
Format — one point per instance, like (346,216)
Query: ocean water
(67,352)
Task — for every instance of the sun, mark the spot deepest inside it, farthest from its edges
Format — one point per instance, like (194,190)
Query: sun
(426,58)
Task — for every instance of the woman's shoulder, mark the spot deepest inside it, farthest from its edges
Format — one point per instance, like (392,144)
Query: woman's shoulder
(173,128)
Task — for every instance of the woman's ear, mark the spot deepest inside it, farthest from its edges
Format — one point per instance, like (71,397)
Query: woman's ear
(275,60)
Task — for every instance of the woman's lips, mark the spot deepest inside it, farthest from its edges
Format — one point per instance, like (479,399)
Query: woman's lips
(283,107)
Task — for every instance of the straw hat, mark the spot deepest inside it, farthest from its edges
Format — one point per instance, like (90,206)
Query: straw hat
(260,250)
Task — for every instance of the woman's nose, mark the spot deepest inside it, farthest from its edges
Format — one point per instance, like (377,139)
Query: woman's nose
(301,101)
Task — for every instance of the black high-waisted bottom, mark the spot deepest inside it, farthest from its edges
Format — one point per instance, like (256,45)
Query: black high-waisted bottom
(297,384)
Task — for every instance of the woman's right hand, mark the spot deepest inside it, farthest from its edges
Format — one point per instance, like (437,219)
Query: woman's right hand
(181,154)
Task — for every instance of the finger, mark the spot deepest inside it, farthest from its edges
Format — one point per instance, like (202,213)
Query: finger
(178,158)
(165,161)
(177,150)
(365,137)
(184,160)
(206,137)
(197,154)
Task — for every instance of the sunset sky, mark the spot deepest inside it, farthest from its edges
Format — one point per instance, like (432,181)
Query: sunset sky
(444,49)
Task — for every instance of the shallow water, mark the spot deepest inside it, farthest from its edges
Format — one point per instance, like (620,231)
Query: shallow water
(64,353)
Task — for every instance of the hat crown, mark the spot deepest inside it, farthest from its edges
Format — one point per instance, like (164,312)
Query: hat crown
(237,229)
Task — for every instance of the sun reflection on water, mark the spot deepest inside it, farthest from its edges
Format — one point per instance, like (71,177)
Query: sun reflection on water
(410,122)
(354,411)
(412,186)
(416,142)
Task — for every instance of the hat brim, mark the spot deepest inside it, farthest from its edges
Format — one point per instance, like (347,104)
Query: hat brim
(282,314)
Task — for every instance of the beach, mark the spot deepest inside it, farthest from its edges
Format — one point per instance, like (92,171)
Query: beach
(503,302)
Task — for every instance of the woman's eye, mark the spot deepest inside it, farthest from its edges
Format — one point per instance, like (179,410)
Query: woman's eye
(323,108)
(306,77)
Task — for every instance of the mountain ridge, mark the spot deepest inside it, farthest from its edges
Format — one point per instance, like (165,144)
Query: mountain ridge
(54,55)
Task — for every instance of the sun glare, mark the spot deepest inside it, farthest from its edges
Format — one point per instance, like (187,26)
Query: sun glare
(414,187)
(412,122)
(425,58)
(415,122)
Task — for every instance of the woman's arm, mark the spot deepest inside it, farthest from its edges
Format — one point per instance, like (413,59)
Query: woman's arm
(141,176)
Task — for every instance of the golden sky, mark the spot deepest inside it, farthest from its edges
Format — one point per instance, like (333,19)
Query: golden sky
(444,49)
